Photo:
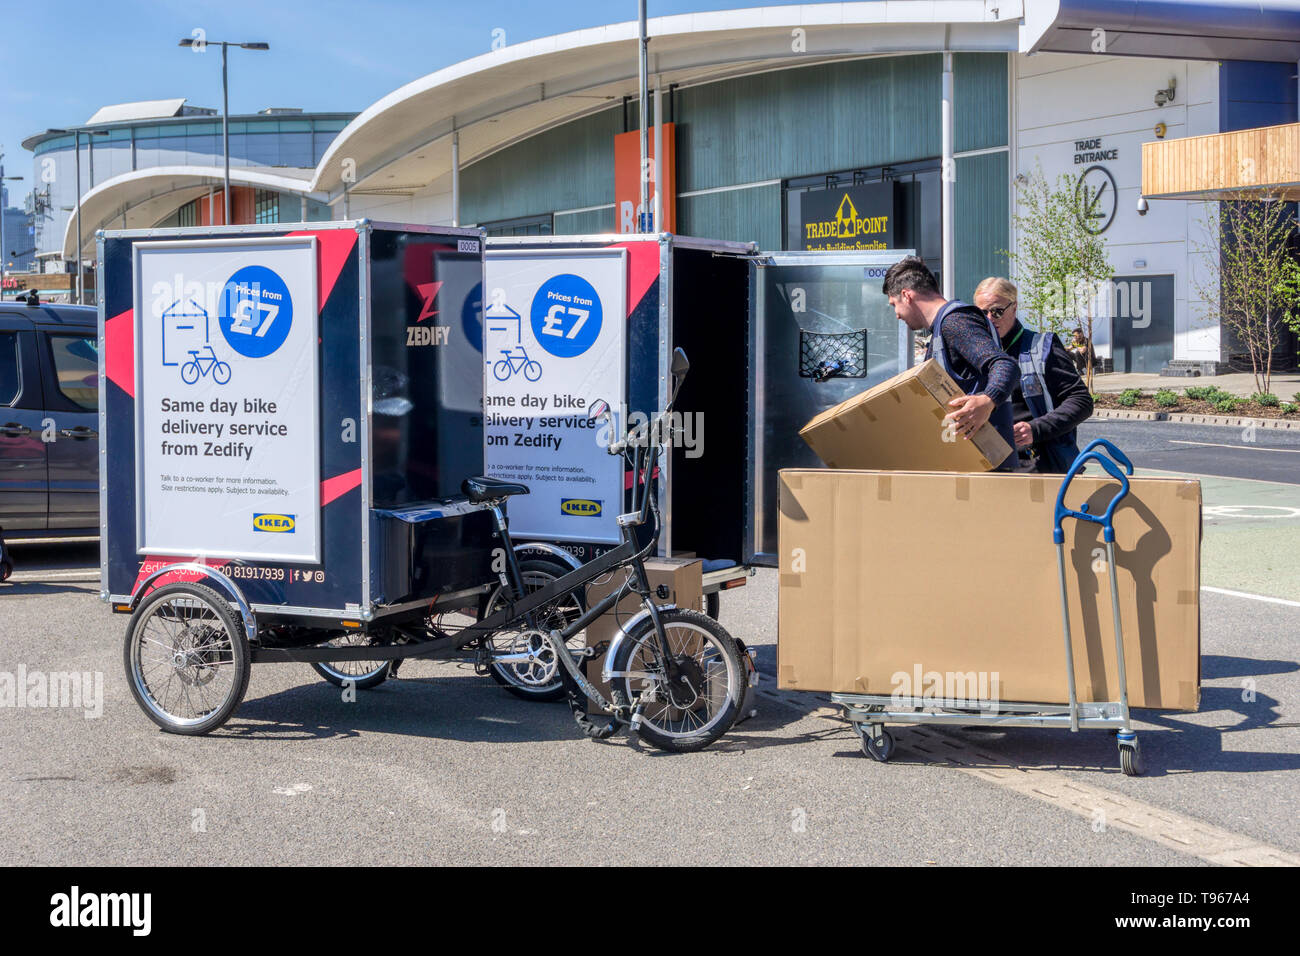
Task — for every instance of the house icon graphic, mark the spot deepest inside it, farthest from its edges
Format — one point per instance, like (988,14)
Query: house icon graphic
(184,326)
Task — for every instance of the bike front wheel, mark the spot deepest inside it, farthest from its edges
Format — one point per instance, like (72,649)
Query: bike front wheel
(702,703)
(221,373)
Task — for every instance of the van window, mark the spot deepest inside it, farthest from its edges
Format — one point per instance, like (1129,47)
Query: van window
(76,365)
(10,383)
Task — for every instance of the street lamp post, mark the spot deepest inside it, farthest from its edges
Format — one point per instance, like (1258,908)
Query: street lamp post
(200,46)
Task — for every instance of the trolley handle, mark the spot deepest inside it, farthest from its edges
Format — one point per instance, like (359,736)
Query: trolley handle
(1105,519)
(1112,451)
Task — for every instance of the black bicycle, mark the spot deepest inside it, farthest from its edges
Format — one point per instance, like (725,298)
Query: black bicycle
(676,677)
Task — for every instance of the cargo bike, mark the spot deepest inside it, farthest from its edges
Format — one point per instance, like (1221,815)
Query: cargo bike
(868,713)
(321,501)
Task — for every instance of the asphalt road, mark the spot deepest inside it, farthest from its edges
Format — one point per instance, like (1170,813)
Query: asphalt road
(1264,454)
(441,766)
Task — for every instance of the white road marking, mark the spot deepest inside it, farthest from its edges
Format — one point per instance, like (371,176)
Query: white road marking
(1253,597)
(1210,444)
(35,577)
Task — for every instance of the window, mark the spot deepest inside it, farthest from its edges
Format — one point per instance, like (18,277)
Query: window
(10,382)
(528,226)
(266,206)
(76,366)
(188,215)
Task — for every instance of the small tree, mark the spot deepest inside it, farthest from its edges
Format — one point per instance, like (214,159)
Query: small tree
(1061,265)
(1247,284)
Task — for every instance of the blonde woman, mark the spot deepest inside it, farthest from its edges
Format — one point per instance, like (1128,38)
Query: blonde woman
(1051,401)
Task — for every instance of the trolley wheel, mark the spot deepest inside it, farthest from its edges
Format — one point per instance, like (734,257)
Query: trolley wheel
(1130,759)
(6,569)
(187,659)
(881,749)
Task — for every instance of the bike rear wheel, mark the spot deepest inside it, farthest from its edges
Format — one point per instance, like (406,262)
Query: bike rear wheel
(538,679)
(705,701)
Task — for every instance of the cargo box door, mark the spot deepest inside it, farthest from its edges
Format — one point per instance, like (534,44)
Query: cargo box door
(821,332)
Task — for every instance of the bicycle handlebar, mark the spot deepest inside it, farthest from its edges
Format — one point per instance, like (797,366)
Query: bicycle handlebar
(1106,519)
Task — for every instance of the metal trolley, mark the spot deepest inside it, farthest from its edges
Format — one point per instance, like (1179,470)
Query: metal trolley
(870,713)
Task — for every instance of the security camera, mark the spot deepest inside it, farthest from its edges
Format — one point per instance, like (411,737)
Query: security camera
(1142,205)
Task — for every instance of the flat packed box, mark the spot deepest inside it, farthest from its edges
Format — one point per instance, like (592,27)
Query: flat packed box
(889,581)
(899,424)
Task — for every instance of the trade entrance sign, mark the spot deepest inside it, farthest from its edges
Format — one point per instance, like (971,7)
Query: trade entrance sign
(227,398)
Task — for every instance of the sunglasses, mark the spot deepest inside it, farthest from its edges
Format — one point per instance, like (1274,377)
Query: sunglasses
(997,313)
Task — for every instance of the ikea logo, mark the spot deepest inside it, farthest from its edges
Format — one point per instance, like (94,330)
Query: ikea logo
(580,507)
(280,524)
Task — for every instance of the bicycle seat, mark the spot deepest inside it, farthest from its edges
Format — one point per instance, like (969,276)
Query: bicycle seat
(481,489)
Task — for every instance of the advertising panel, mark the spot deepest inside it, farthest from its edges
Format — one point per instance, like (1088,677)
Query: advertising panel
(227,449)
(554,341)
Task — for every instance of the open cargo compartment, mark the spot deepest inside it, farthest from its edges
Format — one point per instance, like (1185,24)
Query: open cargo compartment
(353,347)
(757,327)
(822,332)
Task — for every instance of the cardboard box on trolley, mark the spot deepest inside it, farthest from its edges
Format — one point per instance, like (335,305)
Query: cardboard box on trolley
(892,580)
(295,405)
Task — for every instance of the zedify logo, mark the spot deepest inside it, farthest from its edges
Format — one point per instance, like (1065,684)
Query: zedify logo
(847,224)
(427,334)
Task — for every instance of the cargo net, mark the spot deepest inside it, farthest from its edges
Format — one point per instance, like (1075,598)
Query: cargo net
(827,355)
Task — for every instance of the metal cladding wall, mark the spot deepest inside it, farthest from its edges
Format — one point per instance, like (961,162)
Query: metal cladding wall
(768,127)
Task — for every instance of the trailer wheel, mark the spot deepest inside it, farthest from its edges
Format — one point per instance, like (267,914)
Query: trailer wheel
(362,675)
(187,659)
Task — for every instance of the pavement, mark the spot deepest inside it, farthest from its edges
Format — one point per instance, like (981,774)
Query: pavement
(1283,384)
(441,766)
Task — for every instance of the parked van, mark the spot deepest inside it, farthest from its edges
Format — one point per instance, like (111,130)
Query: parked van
(49,420)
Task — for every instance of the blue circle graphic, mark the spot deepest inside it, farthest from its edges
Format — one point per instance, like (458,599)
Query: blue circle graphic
(256,311)
(566,315)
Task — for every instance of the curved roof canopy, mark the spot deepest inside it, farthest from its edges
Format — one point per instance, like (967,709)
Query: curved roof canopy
(149,195)
(402,143)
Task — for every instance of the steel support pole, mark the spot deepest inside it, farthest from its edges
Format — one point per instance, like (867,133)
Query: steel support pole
(225,133)
(948,177)
(81,282)
(642,56)
(455,177)
(657,225)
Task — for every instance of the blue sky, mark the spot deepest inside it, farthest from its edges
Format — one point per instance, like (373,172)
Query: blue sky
(60,61)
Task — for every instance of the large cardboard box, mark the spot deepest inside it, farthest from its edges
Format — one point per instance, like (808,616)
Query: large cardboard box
(899,424)
(683,579)
(888,578)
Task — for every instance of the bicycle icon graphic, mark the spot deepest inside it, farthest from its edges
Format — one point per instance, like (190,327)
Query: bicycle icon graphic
(516,360)
(201,365)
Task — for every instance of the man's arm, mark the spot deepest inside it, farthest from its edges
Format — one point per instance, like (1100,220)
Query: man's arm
(973,340)
(1069,394)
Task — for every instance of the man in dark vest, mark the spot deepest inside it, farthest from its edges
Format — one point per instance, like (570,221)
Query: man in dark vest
(1051,400)
(964,343)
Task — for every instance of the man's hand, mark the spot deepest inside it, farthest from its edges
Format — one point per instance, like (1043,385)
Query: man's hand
(969,412)
(1023,433)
